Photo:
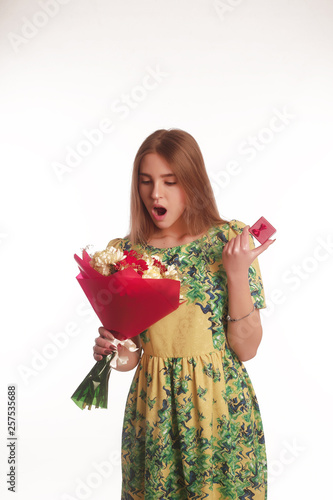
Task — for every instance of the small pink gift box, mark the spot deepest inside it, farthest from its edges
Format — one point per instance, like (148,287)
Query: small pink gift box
(262,230)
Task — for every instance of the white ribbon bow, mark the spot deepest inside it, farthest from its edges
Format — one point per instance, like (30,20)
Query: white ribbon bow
(122,360)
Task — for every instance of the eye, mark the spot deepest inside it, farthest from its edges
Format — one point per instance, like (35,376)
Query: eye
(145,182)
(170,183)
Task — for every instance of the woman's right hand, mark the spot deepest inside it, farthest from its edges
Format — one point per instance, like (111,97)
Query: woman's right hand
(103,345)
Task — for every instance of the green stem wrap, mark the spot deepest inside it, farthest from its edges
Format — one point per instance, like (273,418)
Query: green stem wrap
(93,390)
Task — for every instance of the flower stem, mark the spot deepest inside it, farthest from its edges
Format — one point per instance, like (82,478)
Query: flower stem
(93,390)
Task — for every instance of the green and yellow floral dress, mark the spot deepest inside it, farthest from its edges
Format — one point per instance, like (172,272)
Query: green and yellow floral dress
(192,426)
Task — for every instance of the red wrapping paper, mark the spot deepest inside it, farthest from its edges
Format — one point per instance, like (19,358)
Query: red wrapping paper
(126,303)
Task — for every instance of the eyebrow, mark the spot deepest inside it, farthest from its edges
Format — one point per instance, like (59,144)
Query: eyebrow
(165,175)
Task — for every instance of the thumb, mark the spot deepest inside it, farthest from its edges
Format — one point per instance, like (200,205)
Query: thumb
(257,251)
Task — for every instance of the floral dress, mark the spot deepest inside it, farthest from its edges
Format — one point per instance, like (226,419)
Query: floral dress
(192,427)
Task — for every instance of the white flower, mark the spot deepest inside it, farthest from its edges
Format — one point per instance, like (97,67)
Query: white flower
(103,260)
(171,272)
(152,273)
(156,257)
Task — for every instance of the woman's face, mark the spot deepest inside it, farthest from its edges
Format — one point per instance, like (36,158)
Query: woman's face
(161,193)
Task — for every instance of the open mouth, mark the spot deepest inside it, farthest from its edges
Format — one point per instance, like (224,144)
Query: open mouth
(160,210)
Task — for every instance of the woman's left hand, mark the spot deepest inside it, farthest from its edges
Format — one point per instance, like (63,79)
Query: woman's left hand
(237,256)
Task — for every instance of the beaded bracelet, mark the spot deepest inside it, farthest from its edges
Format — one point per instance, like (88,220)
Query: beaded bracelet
(230,319)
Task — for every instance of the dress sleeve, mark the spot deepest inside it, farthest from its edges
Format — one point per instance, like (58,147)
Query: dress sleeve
(255,280)
(116,243)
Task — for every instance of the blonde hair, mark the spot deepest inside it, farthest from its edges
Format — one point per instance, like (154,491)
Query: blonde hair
(183,154)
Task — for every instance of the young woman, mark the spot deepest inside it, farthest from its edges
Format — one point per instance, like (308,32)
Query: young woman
(192,427)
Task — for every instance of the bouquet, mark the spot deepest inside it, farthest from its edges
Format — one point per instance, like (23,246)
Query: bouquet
(129,292)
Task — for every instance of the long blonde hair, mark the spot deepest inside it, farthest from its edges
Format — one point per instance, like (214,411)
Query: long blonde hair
(183,154)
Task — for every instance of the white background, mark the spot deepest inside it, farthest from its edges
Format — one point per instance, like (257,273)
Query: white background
(227,69)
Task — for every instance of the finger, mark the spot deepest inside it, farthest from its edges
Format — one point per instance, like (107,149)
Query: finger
(103,331)
(257,251)
(106,334)
(105,345)
(98,350)
(101,341)
(241,241)
(230,246)
(245,238)
(235,244)
(98,357)
(102,350)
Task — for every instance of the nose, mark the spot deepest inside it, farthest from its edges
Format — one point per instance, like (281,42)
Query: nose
(156,191)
